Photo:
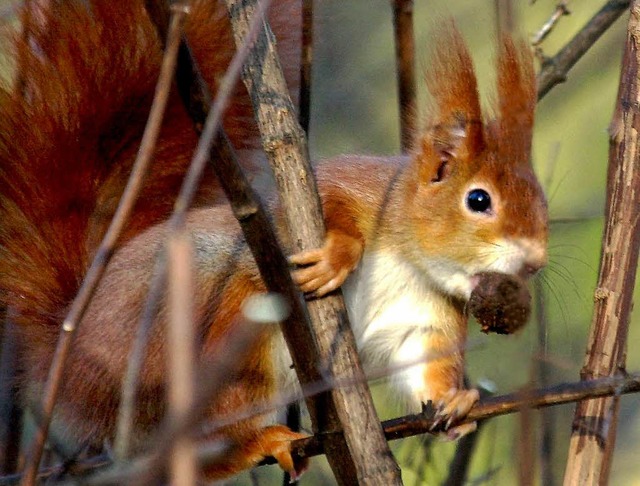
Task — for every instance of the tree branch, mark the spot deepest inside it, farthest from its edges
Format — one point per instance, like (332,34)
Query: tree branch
(555,69)
(358,453)
(405,67)
(594,425)
(305,66)
(411,425)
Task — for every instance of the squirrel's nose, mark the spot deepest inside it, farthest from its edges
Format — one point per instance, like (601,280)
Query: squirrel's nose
(534,257)
(530,268)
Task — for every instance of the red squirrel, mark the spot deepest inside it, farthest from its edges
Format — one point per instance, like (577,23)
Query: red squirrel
(406,236)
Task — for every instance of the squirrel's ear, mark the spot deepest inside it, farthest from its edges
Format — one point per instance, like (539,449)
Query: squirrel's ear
(517,96)
(454,123)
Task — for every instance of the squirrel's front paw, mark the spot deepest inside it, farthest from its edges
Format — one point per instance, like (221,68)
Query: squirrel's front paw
(327,268)
(277,440)
(452,407)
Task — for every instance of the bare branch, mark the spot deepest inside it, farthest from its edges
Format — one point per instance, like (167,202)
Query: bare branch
(130,386)
(555,69)
(560,11)
(10,412)
(304,108)
(543,372)
(405,67)
(505,16)
(408,425)
(594,425)
(411,425)
(360,452)
(182,360)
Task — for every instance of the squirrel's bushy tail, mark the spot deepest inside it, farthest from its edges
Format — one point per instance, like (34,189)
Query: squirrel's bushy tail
(70,126)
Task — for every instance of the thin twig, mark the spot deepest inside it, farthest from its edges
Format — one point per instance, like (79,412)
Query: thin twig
(405,68)
(76,469)
(195,96)
(409,425)
(10,412)
(505,16)
(560,11)
(555,69)
(99,264)
(304,108)
(127,409)
(182,361)
(547,418)
(594,425)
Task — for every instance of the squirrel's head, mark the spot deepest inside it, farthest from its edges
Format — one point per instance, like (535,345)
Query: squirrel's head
(474,203)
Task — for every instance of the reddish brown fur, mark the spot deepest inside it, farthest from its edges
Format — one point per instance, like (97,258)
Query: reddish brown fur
(89,94)
(69,135)
(416,209)
(517,95)
(456,102)
(70,129)
(446,369)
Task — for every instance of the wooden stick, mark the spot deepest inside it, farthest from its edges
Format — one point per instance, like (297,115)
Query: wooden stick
(304,103)
(359,452)
(10,410)
(405,67)
(555,69)
(124,425)
(182,352)
(543,372)
(560,11)
(408,425)
(594,425)
(411,425)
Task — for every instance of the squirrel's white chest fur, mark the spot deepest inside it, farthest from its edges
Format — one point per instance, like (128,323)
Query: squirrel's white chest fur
(392,305)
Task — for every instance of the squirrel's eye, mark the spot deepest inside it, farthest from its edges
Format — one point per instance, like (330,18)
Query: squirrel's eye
(479,201)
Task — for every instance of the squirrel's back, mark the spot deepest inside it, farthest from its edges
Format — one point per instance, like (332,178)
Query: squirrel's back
(70,127)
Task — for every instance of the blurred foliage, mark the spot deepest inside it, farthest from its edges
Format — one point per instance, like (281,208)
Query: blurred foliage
(354,110)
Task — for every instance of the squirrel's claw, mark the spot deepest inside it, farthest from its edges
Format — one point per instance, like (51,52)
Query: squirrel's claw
(326,268)
(276,441)
(319,279)
(307,257)
(454,405)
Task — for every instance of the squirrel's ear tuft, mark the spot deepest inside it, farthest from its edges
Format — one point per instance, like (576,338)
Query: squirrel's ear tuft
(517,96)
(454,127)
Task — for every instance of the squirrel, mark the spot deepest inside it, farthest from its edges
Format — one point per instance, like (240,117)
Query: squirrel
(407,236)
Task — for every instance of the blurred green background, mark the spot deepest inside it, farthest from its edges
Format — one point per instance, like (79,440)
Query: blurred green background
(354,110)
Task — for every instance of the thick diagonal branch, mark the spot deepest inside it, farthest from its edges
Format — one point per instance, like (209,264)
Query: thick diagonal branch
(358,454)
